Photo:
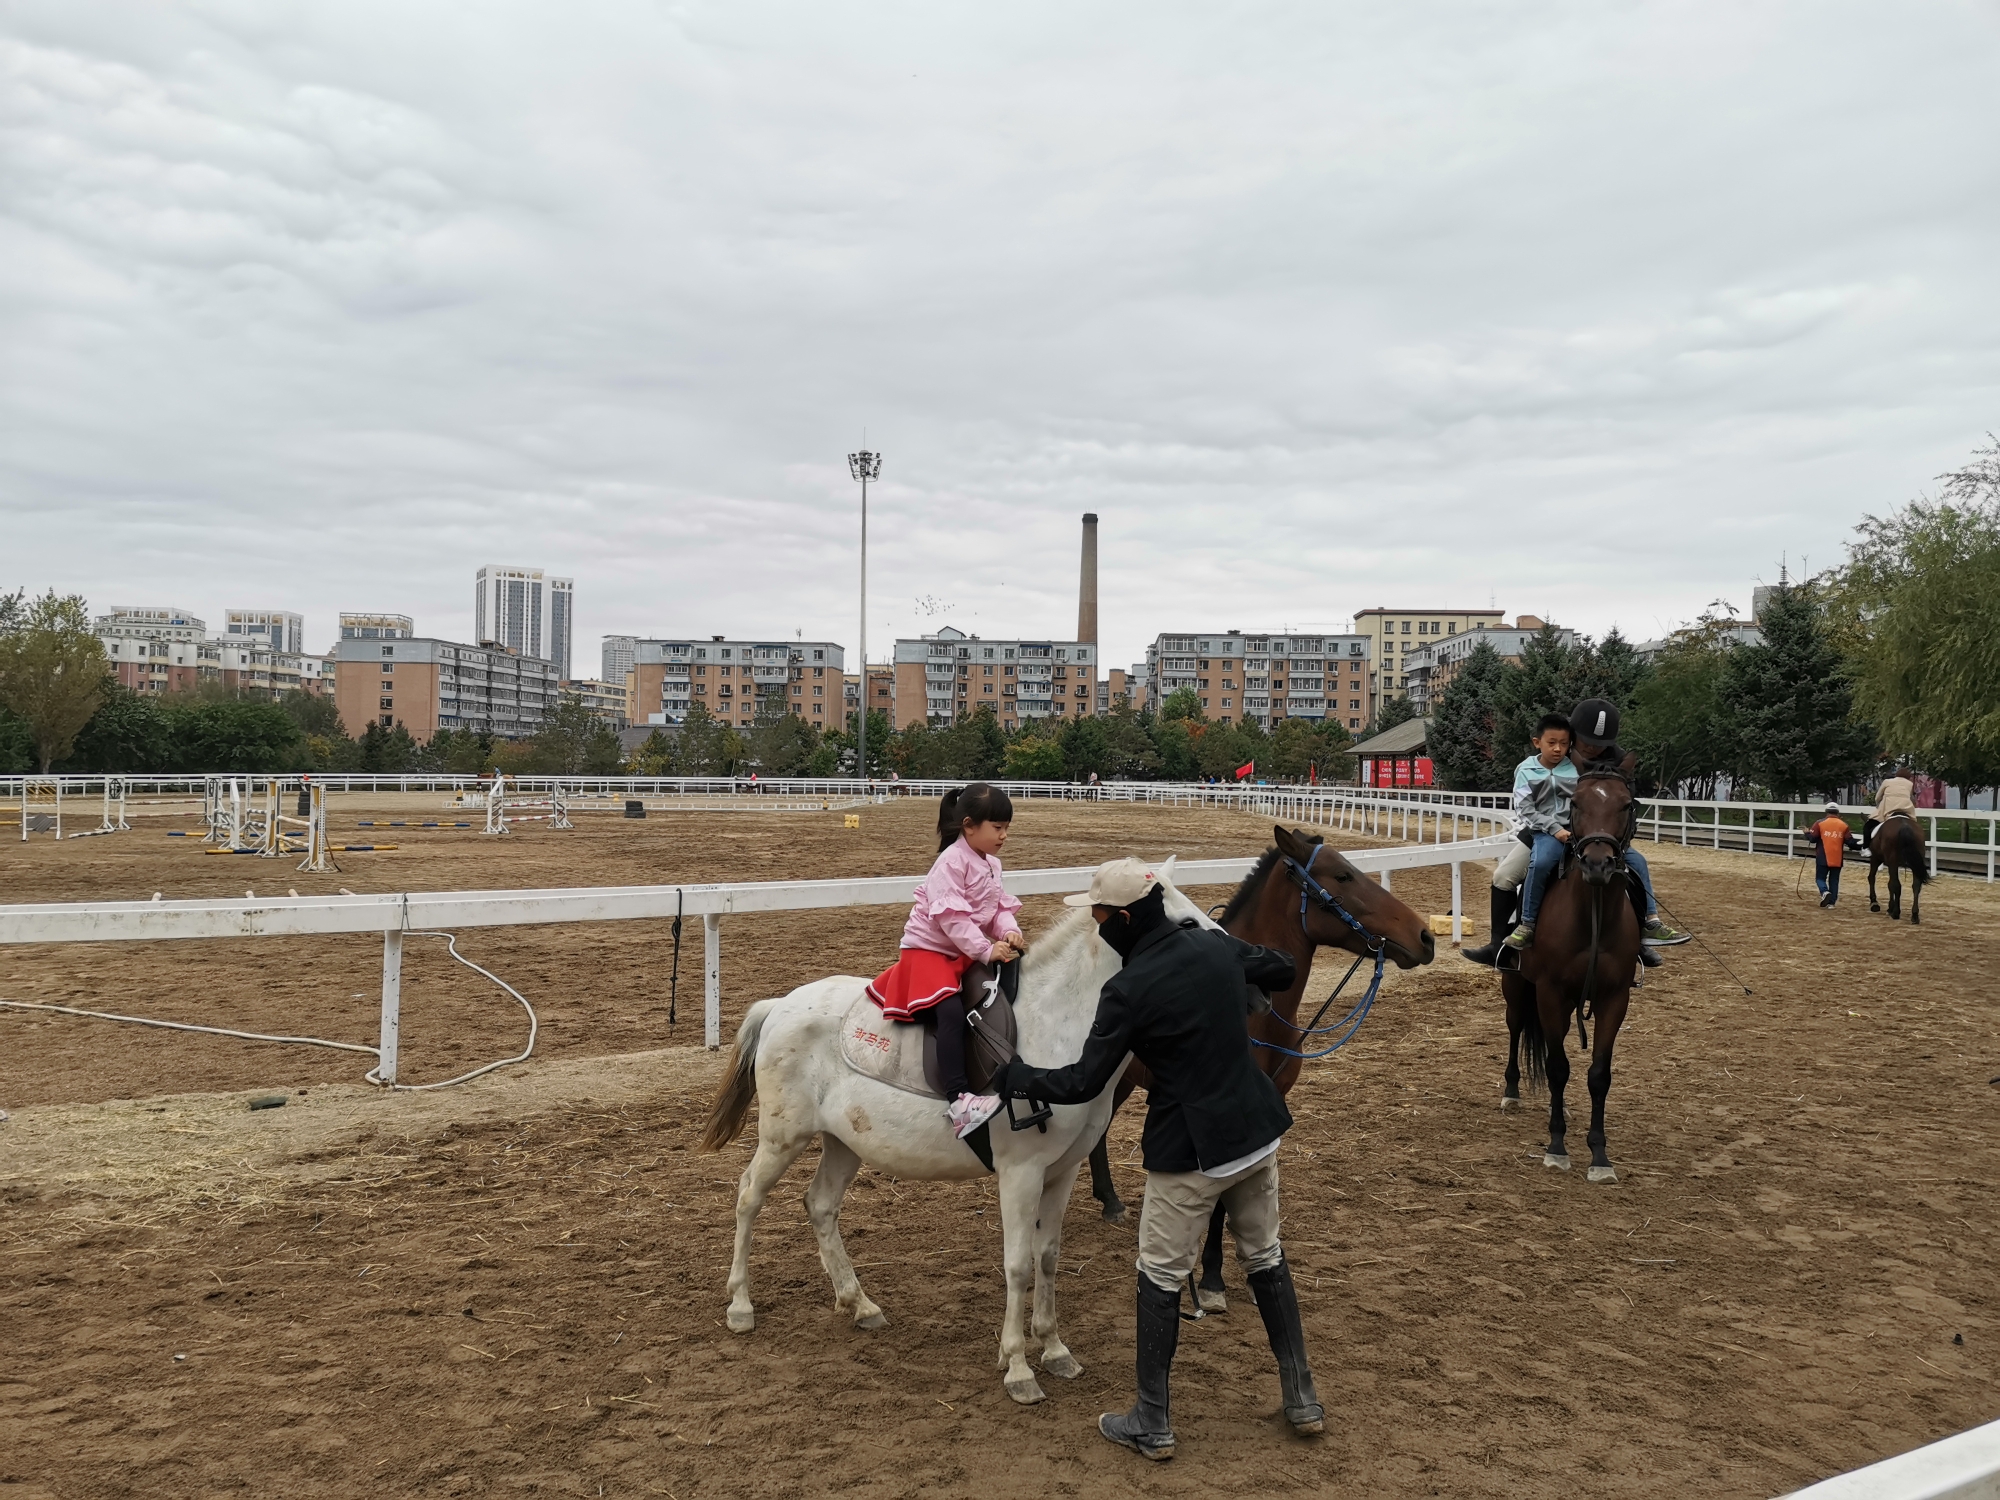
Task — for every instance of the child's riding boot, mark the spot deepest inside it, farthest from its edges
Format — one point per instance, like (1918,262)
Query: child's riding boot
(1278,1302)
(1503,917)
(1145,1429)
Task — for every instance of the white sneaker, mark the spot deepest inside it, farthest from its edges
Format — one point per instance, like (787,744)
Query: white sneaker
(970,1111)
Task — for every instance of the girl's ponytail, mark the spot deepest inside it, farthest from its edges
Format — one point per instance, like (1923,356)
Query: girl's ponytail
(977,802)
(948,824)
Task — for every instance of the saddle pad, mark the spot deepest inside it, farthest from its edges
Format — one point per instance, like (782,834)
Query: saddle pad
(887,1051)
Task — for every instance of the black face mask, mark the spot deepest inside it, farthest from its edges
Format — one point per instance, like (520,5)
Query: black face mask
(1122,930)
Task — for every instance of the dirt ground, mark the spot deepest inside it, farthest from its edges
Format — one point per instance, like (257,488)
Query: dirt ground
(517,1285)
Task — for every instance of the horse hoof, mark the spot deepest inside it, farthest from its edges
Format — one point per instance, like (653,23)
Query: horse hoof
(1211,1300)
(1510,1101)
(874,1320)
(1114,1213)
(741,1322)
(1550,1159)
(1027,1392)
(1063,1367)
(1603,1174)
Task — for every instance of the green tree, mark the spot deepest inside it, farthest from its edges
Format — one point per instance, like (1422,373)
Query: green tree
(1221,749)
(1182,705)
(1034,760)
(1545,682)
(1129,752)
(1677,723)
(53,671)
(387,751)
(314,713)
(1390,712)
(207,735)
(782,744)
(1917,609)
(1086,748)
(707,746)
(1176,746)
(1791,701)
(1464,730)
(128,732)
(656,756)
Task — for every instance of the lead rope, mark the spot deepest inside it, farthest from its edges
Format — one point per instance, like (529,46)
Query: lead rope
(674,979)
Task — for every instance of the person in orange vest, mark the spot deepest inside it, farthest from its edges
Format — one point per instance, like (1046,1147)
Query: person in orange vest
(1829,836)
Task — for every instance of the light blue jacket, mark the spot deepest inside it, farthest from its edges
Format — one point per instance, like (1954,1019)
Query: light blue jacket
(1542,794)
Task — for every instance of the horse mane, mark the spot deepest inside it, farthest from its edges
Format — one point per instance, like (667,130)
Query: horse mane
(1073,925)
(1252,884)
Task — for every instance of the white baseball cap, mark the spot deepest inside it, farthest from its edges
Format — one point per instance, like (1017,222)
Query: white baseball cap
(1116,882)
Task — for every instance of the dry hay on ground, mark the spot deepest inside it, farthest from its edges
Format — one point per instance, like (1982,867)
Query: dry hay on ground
(518,1285)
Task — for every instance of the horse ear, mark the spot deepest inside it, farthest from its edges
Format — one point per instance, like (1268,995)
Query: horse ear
(1283,837)
(1630,763)
(1165,868)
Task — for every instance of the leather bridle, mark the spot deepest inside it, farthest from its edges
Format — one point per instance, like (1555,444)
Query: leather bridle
(1311,890)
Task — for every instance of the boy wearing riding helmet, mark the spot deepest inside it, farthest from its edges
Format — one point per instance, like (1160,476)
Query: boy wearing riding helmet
(963,916)
(1542,795)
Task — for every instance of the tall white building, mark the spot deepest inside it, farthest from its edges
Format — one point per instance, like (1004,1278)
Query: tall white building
(142,622)
(619,654)
(527,611)
(274,629)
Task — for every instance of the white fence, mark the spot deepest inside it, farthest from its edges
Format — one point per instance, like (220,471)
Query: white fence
(1965,1466)
(394,915)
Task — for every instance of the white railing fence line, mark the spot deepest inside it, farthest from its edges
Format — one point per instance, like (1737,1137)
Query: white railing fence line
(1780,828)
(1965,1466)
(394,915)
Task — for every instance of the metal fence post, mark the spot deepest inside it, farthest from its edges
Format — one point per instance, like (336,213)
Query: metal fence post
(392,1002)
(1457,901)
(711,980)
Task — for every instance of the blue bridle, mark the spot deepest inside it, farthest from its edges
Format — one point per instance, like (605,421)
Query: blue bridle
(1310,890)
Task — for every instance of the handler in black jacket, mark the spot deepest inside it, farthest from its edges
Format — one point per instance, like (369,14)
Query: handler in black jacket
(1181,1005)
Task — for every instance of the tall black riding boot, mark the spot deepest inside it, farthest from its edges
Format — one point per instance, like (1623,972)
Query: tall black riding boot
(1503,903)
(1145,1429)
(1278,1301)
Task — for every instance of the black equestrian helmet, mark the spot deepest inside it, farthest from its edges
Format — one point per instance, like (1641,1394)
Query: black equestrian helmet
(1594,724)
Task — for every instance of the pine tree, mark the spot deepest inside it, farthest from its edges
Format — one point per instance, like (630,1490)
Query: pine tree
(1463,735)
(1544,683)
(1790,701)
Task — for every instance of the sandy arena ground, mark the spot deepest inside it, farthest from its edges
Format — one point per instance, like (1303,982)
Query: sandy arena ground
(517,1286)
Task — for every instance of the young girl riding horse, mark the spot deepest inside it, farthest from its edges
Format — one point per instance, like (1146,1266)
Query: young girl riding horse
(963,916)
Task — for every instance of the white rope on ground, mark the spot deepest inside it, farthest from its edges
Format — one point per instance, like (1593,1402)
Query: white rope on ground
(451,944)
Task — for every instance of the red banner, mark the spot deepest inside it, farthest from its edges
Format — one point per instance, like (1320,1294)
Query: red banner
(1245,770)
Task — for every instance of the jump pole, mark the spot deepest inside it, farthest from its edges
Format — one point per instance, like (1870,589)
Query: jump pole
(711,980)
(392,1003)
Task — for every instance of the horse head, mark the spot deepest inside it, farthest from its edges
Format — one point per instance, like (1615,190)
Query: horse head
(1322,885)
(1603,817)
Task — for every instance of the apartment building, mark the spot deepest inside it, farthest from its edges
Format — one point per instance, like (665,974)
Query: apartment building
(1428,670)
(275,629)
(881,688)
(527,611)
(944,677)
(617,657)
(604,699)
(1265,677)
(154,667)
(1393,633)
(1117,684)
(735,680)
(145,622)
(252,670)
(426,685)
(377,628)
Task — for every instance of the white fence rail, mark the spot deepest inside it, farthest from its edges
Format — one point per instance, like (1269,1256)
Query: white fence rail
(1780,828)
(394,915)
(1965,1466)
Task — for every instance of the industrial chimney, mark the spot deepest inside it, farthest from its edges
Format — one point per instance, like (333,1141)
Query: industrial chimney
(1086,591)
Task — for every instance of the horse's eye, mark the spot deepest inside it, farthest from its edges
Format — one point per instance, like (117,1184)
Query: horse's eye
(1343,875)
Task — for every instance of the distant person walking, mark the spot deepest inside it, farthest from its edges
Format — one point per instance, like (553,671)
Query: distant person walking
(1829,836)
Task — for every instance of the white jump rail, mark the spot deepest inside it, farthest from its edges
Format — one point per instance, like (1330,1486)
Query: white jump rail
(396,914)
(1965,1466)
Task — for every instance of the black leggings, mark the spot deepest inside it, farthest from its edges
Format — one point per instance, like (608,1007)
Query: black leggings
(948,1016)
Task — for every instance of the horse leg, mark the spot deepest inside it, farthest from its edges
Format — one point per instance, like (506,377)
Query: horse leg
(1056,1358)
(1020,1202)
(773,1157)
(1510,1091)
(1102,1188)
(1895,893)
(1610,1016)
(1873,865)
(1916,899)
(837,1166)
(1555,1032)
(1211,1295)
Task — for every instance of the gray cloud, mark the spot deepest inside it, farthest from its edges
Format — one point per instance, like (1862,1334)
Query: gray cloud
(1599,310)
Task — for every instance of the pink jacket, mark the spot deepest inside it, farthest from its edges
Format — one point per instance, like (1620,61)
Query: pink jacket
(961,906)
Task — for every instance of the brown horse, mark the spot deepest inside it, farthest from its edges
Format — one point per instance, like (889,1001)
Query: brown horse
(1283,913)
(1898,842)
(1582,962)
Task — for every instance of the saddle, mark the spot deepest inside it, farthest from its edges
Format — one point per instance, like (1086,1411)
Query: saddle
(903,1054)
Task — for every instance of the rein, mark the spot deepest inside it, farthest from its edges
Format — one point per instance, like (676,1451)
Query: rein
(1619,843)
(1311,890)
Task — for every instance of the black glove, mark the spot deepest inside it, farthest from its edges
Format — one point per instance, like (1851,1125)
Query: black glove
(1011,1079)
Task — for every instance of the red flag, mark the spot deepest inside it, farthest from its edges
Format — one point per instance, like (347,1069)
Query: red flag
(1245,770)
(1313,769)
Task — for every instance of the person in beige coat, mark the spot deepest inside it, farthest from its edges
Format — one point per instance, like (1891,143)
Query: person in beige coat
(1896,795)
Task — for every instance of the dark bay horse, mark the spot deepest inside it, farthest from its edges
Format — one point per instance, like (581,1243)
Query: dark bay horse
(1582,962)
(1278,911)
(1898,842)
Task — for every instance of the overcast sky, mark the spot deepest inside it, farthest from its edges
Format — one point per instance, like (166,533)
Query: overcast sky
(1596,310)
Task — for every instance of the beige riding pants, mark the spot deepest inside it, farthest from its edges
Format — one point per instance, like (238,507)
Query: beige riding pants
(1512,869)
(1177,1210)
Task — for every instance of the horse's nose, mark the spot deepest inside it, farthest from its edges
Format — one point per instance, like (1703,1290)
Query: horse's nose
(1429,946)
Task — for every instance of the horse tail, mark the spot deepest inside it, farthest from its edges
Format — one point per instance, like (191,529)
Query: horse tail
(1534,1053)
(1910,853)
(739,1084)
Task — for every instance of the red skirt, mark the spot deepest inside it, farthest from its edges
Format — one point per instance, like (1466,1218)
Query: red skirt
(916,981)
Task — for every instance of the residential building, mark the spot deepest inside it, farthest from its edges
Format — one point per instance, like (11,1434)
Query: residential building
(526,610)
(1728,633)
(154,666)
(1265,677)
(1396,757)
(377,627)
(882,692)
(947,676)
(426,684)
(604,699)
(143,622)
(251,669)
(1429,669)
(735,680)
(1117,684)
(1393,633)
(278,629)
(617,654)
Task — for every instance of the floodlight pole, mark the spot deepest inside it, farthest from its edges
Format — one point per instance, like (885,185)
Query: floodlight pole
(864,466)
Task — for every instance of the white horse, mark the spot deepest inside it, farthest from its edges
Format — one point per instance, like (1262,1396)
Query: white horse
(788,1060)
